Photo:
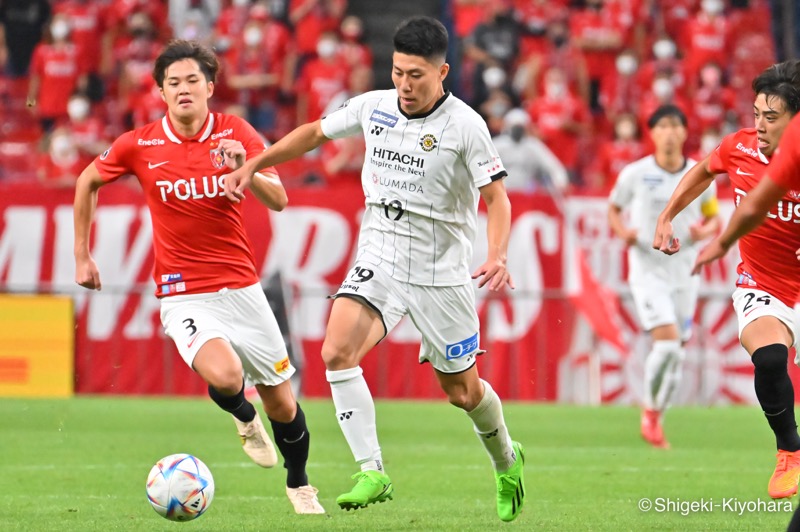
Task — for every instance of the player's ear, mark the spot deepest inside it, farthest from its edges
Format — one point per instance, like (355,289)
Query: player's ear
(443,71)
(163,97)
(210,88)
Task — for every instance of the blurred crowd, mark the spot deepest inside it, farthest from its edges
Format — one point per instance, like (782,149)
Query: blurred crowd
(566,86)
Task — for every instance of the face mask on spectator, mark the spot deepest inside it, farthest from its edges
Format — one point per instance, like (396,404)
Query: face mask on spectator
(326,48)
(252,36)
(61,147)
(555,90)
(559,40)
(625,130)
(59,30)
(664,49)
(517,132)
(240,3)
(626,65)
(78,109)
(498,108)
(190,32)
(494,77)
(712,7)
(663,89)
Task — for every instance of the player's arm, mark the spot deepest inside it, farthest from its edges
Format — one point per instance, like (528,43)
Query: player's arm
(618,225)
(749,214)
(693,183)
(498,209)
(89,182)
(268,189)
(301,140)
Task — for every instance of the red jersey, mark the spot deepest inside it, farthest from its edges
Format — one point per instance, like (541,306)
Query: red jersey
(199,240)
(768,253)
(56,66)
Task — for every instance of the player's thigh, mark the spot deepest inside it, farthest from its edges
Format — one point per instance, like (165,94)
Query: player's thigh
(191,321)
(763,319)
(655,306)
(447,319)
(366,308)
(256,337)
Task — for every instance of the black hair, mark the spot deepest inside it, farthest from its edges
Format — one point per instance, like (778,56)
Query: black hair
(178,50)
(665,111)
(422,36)
(781,80)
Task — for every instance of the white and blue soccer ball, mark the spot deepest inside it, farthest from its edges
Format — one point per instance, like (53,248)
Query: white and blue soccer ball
(180,487)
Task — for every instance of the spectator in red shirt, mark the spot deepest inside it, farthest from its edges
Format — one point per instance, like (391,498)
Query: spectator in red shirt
(88,32)
(352,47)
(661,92)
(707,37)
(55,75)
(561,120)
(320,79)
(600,35)
(560,52)
(712,103)
(675,15)
(664,60)
(613,155)
(230,24)
(310,19)
(534,16)
(622,92)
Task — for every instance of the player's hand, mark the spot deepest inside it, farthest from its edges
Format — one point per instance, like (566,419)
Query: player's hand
(234,152)
(495,274)
(630,237)
(713,251)
(696,232)
(664,240)
(86,274)
(797,253)
(236,183)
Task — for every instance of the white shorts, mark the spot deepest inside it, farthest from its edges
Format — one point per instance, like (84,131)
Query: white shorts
(444,315)
(659,302)
(752,304)
(243,318)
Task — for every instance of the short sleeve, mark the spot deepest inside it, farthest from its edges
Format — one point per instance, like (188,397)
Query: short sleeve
(622,193)
(346,120)
(480,155)
(718,161)
(115,161)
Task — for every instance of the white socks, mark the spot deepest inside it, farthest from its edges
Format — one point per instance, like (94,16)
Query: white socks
(662,373)
(490,427)
(355,411)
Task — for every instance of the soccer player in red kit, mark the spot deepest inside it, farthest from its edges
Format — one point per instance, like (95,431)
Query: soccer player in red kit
(204,269)
(769,274)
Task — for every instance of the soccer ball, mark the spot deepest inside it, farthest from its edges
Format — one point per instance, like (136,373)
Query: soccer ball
(180,487)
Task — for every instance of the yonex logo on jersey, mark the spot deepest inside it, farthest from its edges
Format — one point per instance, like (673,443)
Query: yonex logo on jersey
(428,142)
(462,348)
(383,118)
(223,133)
(376,130)
(151,142)
(182,189)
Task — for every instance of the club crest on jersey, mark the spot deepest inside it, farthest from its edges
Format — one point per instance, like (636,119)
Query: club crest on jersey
(217,158)
(428,142)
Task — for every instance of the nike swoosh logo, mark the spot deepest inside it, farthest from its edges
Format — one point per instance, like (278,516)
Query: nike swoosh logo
(151,165)
(192,341)
(739,172)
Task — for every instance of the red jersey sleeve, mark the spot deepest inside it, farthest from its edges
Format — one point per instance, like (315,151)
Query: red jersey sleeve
(718,162)
(785,167)
(115,161)
(253,143)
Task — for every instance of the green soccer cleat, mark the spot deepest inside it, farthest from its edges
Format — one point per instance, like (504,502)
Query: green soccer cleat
(371,487)
(511,487)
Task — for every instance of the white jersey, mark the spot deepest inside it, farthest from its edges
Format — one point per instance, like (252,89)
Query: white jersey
(644,188)
(420,178)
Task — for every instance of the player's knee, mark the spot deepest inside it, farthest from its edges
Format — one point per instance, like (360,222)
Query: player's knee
(771,359)
(337,356)
(227,381)
(460,397)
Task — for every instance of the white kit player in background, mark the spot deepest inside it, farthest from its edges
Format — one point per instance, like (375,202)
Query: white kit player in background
(429,158)
(663,289)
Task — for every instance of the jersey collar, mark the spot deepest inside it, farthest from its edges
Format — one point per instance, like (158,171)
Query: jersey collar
(438,104)
(175,137)
(761,156)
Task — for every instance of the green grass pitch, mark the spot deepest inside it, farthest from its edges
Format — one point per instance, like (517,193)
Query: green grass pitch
(81,465)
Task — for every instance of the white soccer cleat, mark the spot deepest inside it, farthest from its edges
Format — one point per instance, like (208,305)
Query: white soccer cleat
(256,442)
(304,499)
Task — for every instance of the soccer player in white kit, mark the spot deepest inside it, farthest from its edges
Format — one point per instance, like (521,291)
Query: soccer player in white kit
(429,157)
(663,289)
(198,236)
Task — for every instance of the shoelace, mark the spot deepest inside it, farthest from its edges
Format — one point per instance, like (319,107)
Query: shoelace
(307,496)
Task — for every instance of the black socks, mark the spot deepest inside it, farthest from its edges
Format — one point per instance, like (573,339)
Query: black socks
(241,408)
(776,394)
(292,440)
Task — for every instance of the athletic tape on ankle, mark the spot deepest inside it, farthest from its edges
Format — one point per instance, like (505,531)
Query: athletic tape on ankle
(341,375)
